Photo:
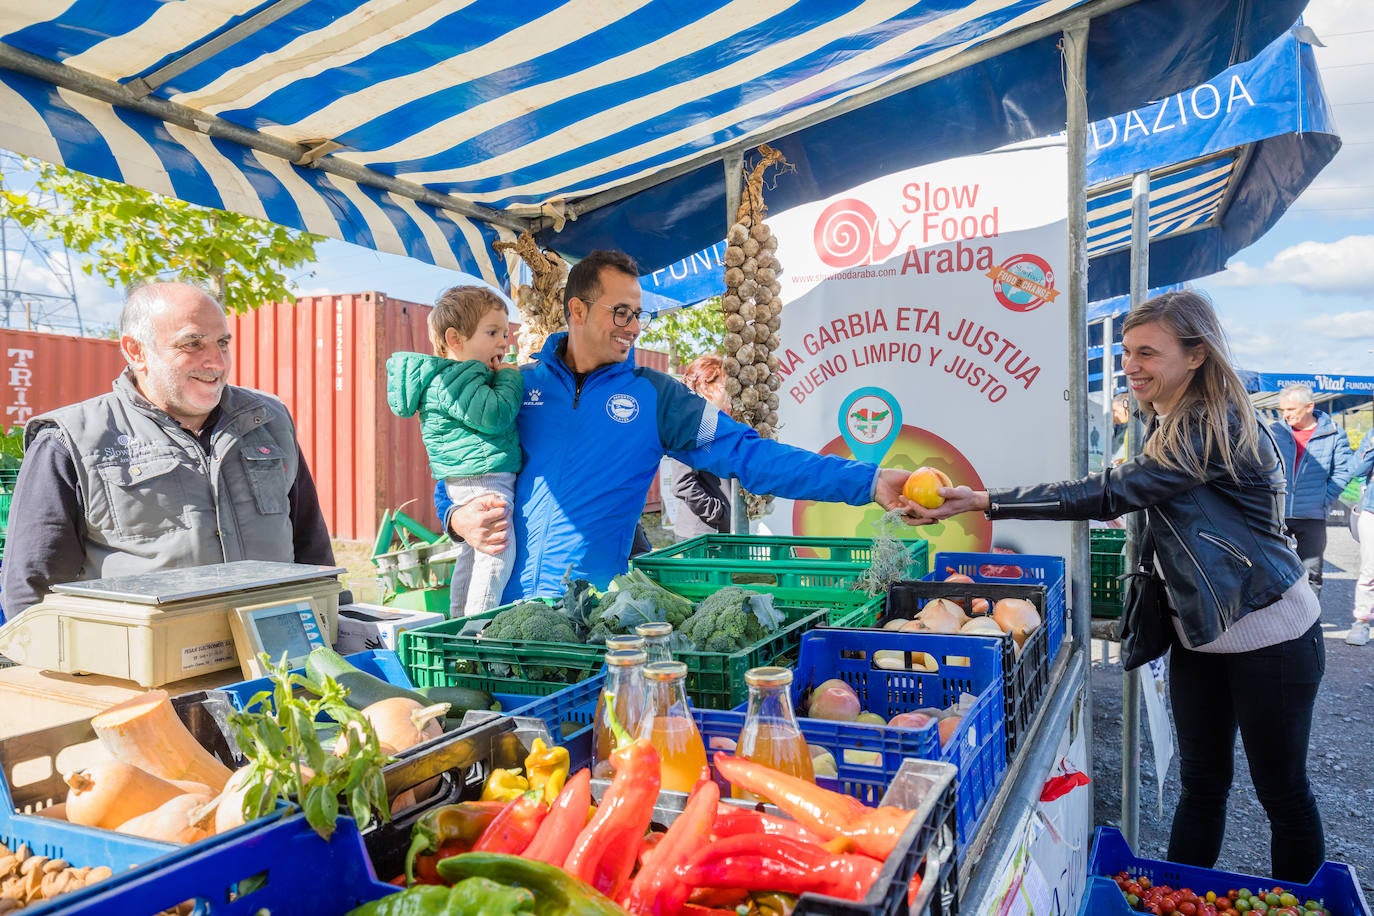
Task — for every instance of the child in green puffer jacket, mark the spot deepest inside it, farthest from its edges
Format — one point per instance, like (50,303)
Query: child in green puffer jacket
(467,401)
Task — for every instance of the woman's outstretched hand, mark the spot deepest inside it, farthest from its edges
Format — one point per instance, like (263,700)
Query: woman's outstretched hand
(956,501)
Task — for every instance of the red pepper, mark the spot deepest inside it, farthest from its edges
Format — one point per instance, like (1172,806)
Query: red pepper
(772,863)
(515,827)
(607,848)
(876,832)
(821,811)
(656,890)
(732,820)
(566,819)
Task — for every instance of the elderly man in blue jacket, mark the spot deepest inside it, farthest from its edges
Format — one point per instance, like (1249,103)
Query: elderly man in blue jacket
(1319,462)
(593,427)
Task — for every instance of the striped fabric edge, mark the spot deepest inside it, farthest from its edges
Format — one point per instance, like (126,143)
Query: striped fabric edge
(121,145)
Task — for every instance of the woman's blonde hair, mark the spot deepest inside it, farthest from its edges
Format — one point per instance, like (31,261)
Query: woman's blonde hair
(461,308)
(1214,393)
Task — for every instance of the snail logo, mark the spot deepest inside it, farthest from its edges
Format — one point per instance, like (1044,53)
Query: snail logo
(846,235)
(1023,282)
(622,408)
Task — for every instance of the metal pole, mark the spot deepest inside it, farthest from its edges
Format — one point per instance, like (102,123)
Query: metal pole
(1130,685)
(1076,111)
(734,190)
(1108,389)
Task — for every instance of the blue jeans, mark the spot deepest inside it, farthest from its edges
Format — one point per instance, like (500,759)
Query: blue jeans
(479,578)
(1269,695)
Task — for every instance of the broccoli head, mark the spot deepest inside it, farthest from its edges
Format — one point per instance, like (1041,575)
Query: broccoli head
(730,620)
(531,621)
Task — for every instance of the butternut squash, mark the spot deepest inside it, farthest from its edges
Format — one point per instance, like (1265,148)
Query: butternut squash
(402,723)
(146,732)
(110,792)
(183,819)
(229,807)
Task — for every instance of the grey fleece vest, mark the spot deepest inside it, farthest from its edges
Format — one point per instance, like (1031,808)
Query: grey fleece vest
(155,500)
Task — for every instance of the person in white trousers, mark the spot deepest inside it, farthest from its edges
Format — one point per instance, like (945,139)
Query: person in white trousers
(1364,530)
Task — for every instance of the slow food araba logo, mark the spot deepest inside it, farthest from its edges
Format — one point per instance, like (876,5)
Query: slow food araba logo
(935,227)
(846,235)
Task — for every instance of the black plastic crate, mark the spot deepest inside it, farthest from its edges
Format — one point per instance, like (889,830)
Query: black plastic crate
(1026,675)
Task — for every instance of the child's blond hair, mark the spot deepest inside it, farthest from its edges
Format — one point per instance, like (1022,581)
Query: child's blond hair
(461,308)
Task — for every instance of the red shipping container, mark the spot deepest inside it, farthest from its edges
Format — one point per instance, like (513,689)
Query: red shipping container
(325,357)
(46,371)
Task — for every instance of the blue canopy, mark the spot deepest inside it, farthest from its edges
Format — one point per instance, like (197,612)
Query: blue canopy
(429,129)
(1226,159)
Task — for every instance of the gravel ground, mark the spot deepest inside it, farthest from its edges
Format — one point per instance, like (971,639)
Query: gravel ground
(1341,737)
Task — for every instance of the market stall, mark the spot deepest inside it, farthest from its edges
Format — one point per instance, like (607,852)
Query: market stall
(340,119)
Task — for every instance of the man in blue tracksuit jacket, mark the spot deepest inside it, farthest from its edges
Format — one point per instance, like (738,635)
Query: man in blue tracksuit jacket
(1319,463)
(593,427)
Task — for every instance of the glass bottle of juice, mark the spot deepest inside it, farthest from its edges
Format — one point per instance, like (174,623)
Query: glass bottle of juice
(627,641)
(656,638)
(670,728)
(625,682)
(770,734)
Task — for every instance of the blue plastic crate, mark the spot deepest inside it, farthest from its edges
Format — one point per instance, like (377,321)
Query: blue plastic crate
(569,714)
(978,746)
(285,868)
(1334,885)
(1031,569)
(1026,673)
(382,663)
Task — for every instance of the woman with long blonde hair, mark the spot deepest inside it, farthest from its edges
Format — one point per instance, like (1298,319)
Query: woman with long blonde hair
(1248,653)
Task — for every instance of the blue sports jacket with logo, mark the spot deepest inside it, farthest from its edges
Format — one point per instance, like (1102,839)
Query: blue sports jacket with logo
(590,455)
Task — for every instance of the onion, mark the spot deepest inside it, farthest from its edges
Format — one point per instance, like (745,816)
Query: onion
(957,576)
(895,623)
(982,626)
(942,616)
(1016,616)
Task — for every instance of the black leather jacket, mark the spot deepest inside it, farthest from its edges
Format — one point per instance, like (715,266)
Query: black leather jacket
(1219,542)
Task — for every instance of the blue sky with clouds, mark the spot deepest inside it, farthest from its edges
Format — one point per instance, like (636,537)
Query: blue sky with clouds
(1301,299)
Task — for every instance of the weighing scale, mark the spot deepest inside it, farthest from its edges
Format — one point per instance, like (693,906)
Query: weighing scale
(164,626)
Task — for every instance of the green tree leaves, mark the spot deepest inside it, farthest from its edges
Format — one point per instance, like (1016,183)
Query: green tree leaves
(133,235)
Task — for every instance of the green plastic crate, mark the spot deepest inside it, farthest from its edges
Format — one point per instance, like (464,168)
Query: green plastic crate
(1108,562)
(8,476)
(823,569)
(715,680)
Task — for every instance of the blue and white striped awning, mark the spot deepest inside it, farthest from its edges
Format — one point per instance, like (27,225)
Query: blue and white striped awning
(430,129)
(1182,198)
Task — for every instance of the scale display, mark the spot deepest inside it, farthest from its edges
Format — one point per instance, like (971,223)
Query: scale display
(290,628)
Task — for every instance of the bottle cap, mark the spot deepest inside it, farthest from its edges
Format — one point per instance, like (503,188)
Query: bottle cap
(769,676)
(665,671)
(650,630)
(622,658)
(629,641)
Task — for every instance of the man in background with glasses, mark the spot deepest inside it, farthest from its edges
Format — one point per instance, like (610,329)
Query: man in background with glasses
(593,427)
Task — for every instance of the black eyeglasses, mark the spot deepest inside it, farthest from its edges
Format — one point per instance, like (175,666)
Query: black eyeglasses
(622,315)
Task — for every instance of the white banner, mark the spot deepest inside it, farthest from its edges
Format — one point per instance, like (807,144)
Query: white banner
(926,323)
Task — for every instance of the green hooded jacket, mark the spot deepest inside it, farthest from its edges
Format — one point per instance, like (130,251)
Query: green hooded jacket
(467,411)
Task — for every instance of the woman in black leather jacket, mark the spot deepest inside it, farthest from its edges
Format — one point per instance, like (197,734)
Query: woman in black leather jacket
(1249,653)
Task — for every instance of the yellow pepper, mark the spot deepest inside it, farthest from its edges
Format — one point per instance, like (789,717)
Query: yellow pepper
(504,785)
(547,769)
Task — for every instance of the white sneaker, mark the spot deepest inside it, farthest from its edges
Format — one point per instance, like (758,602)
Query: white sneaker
(1359,633)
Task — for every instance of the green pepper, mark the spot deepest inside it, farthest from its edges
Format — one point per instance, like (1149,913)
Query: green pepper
(447,826)
(473,897)
(556,893)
